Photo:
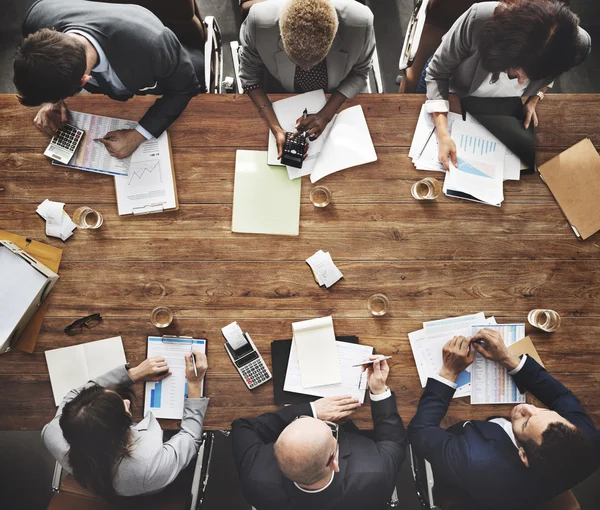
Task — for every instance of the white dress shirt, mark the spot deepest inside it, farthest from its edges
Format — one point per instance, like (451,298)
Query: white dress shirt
(104,68)
(502,422)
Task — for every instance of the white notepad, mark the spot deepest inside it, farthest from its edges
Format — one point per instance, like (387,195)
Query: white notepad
(354,380)
(71,367)
(265,201)
(314,341)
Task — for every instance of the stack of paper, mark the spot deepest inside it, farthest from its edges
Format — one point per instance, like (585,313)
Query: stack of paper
(325,271)
(427,345)
(58,223)
(491,382)
(344,143)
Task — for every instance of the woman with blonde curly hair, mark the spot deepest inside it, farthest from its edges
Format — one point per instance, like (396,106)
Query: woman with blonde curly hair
(305,45)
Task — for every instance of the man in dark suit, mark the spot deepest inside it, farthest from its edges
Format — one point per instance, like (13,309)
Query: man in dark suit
(119,50)
(297,458)
(500,463)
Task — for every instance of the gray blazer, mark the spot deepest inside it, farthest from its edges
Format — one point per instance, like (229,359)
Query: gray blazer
(153,464)
(348,61)
(146,55)
(456,65)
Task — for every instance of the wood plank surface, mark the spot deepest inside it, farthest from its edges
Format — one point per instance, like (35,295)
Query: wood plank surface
(433,260)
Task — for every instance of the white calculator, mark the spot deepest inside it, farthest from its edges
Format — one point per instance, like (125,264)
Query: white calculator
(245,356)
(64,144)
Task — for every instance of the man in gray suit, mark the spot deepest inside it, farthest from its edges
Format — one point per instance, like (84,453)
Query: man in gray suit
(115,49)
(306,45)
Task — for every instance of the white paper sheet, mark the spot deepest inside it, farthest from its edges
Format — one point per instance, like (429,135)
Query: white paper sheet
(234,336)
(71,367)
(354,380)
(324,269)
(491,382)
(348,144)
(314,341)
(165,398)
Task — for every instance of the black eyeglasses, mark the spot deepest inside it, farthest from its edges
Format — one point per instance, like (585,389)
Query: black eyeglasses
(335,432)
(91,321)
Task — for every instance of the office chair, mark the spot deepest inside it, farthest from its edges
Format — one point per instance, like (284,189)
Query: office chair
(430,20)
(425,483)
(184,19)
(185,493)
(375,74)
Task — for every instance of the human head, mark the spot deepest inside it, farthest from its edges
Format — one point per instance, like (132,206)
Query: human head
(308,28)
(49,66)
(306,451)
(538,37)
(551,445)
(96,424)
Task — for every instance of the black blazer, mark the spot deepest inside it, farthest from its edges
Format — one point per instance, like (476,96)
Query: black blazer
(479,457)
(146,55)
(368,468)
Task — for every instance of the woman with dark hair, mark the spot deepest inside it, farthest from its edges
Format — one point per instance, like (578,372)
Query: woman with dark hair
(94,437)
(515,48)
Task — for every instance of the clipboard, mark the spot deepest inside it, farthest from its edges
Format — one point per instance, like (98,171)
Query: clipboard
(50,257)
(152,206)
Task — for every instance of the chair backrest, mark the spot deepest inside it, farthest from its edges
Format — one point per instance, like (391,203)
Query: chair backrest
(213,56)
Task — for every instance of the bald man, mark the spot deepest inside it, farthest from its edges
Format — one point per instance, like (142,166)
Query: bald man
(300,457)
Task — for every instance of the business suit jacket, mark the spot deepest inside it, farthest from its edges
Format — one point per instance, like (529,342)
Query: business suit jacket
(348,61)
(146,55)
(479,457)
(368,468)
(152,464)
(456,64)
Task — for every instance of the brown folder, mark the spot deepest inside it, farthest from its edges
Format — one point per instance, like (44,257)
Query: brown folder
(525,346)
(574,179)
(50,257)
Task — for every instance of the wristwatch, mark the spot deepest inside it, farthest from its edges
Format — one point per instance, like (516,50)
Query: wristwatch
(541,95)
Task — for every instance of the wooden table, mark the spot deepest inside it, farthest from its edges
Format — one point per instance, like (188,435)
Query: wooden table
(433,260)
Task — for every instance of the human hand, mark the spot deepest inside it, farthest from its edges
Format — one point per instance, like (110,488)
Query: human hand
(489,343)
(313,126)
(447,151)
(51,117)
(529,108)
(154,368)
(335,408)
(279,134)
(456,356)
(122,143)
(195,382)
(377,374)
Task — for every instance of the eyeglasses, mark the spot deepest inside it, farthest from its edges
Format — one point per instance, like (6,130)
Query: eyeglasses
(335,432)
(91,321)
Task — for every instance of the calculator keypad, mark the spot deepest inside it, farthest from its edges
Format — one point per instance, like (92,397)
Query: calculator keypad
(254,373)
(294,145)
(68,138)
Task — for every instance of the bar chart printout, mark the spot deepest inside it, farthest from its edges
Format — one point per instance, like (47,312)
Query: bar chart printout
(490,381)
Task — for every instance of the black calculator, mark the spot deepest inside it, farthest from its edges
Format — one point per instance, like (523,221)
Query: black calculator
(293,150)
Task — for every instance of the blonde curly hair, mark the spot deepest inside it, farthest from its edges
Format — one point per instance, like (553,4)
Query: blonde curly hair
(308,28)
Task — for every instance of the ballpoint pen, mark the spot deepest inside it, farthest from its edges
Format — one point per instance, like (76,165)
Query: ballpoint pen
(426,142)
(108,138)
(194,363)
(304,114)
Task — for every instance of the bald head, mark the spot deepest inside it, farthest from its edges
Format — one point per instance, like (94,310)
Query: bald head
(303,449)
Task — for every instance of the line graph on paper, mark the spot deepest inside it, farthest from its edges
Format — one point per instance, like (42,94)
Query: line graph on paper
(145,173)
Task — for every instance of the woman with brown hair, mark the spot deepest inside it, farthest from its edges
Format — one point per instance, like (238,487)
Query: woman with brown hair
(515,48)
(94,437)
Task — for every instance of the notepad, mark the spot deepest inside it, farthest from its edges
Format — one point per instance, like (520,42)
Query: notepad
(72,367)
(574,179)
(265,201)
(165,398)
(353,379)
(314,341)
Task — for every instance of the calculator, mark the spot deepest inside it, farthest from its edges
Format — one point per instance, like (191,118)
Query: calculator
(249,363)
(64,144)
(293,150)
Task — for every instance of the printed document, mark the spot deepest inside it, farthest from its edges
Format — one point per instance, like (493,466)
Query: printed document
(354,380)
(314,343)
(165,398)
(491,382)
(72,367)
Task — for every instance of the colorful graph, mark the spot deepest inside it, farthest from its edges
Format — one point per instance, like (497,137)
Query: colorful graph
(155,394)
(476,145)
(146,171)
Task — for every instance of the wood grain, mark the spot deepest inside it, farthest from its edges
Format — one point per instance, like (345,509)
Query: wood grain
(432,260)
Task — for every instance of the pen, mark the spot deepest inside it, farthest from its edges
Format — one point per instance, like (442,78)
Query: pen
(304,114)
(109,138)
(194,362)
(371,361)
(426,142)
